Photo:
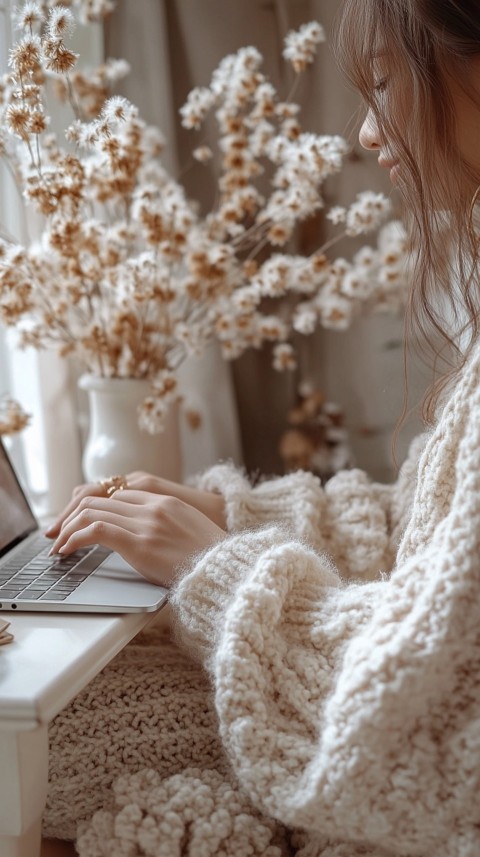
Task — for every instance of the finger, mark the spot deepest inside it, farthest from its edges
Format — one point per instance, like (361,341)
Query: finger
(100,504)
(146,498)
(83,491)
(138,498)
(109,535)
(95,518)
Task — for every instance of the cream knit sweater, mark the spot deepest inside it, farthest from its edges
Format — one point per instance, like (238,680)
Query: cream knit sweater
(347,692)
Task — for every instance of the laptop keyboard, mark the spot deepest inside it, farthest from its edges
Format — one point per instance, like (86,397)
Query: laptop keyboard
(32,575)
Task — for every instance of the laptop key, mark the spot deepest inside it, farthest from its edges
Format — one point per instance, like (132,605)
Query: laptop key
(64,587)
(54,596)
(30,596)
(65,566)
(37,566)
(38,587)
(26,575)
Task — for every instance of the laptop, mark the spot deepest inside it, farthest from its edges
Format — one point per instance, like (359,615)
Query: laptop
(91,580)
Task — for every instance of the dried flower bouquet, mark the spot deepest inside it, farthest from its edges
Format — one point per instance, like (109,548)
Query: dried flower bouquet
(126,275)
(12,417)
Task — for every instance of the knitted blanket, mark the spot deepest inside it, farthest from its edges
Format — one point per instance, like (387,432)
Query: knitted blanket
(346,692)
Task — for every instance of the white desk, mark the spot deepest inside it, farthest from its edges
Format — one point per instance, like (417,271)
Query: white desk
(50,660)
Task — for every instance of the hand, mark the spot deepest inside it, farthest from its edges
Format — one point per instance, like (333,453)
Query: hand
(209,503)
(154,533)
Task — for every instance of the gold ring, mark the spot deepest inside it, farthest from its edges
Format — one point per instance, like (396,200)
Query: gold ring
(114,483)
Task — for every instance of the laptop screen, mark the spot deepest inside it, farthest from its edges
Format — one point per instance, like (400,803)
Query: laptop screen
(16,518)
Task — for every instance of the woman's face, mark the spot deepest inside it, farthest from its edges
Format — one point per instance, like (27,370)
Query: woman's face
(371,138)
(391,88)
(466,101)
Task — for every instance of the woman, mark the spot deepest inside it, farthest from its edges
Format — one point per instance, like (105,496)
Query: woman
(347,701)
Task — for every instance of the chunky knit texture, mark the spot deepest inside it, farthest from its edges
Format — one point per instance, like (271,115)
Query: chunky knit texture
(151,707)
(357,522)
(347,691)
(198,813)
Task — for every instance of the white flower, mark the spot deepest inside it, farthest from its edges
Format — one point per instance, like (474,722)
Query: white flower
(392,236)
(153,145)
(28,16)
(118,109)
(199,102)
(287,110)
(356,284)
(272,328)
(152,413)
(116,69)
(337,215)
(390,277)
(73,133)
(264,98)
(165,385)
(272,279)
(367,212)
(336,312)
(230,77)
(246,298)
(284,357)
(25,54)
(301,46)
(309,157)
(61,22)
(86,134)
(192,338)
(366,258)
(92,11)
(260,137)
(305,319)
(202,154)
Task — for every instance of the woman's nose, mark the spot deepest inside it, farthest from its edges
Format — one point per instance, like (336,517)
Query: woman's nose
(369,137)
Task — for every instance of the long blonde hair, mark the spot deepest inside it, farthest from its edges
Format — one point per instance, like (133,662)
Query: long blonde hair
(426,43)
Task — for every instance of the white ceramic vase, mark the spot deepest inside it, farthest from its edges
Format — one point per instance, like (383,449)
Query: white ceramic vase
(116,444)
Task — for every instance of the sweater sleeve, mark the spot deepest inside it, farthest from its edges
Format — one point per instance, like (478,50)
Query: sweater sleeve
(348,709)
(356,521)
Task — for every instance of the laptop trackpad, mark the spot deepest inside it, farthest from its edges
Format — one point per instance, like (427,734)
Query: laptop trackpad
(114,567)
(116,583)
